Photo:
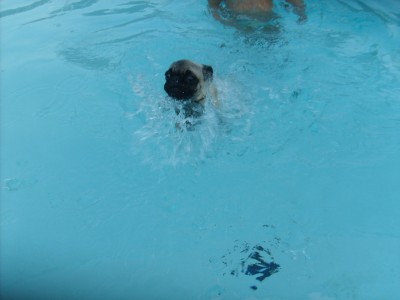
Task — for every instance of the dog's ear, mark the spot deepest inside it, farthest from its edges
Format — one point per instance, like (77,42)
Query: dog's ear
(207,72)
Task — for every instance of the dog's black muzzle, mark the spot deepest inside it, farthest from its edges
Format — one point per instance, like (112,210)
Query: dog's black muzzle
(180,86)
(179,92)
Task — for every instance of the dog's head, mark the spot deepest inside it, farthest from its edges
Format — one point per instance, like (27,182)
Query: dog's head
(185,80)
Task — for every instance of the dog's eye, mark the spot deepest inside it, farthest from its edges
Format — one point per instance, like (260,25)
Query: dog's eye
(191,78)
(167,74)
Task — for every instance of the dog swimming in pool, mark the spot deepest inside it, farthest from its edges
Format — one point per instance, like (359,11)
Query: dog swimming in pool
(190,84)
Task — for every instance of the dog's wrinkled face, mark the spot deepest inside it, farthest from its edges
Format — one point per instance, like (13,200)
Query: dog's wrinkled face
(185,80)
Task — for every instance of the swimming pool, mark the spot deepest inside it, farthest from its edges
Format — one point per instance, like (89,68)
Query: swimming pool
(295,195)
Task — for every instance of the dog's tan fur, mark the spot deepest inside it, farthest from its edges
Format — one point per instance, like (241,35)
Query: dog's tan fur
(205,87)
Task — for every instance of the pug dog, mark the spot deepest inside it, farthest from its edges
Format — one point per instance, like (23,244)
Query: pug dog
(190,84)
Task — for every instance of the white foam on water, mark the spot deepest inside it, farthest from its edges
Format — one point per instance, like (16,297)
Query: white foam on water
(164,137)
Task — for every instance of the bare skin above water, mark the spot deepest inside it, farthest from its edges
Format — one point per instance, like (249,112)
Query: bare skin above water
(253,8)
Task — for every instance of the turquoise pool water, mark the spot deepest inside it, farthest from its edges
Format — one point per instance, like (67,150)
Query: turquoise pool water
(295,194)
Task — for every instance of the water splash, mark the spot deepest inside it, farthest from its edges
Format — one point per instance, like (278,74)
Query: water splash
(164,137)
